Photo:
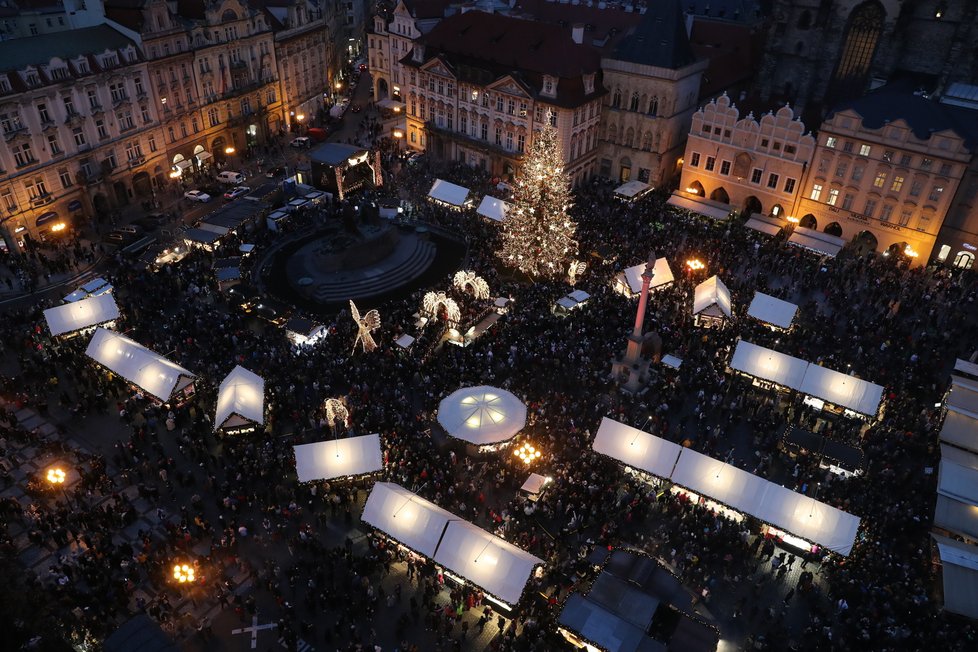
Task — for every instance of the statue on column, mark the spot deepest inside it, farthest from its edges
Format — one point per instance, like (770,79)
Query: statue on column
(631,371)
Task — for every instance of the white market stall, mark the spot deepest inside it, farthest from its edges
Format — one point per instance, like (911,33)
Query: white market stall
(409,519)
(771,503)
(963,394)
(483,415)
(534,485)
(845,391)
(632,191)
(629,281)
(711,300)
(240,402)
(959,566)
(448,193)
(768,365)
(304,332)
(772,310)
(706,207)
(961,429)
(493,209)
(491,563)
(147,370)
(816,241)
(338,458)
(636,448)
(94,288)
(79,316)
(766,224)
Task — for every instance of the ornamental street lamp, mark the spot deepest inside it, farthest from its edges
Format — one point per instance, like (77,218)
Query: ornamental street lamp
(184,573)
(695,264)
(56,476)
(527,453)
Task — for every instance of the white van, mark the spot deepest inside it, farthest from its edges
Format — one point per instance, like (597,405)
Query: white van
(233,178)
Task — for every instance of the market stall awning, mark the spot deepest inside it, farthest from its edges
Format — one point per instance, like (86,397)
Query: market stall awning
(448,193)
(961,429)
(338,458)
(493,209)
(406,517)
(637,448)
(603,628)
(82,314)
(771,503)
(240,399)
(957,476)
(772,310)
(959,566)
(830,451)
(405,341)
(841,389)
(768,364)
(200,237)
(765,224)
(712,298)
(534,484)
(632,190)
(145,369)
(957,516)
(389,104)
(482,415)
(492,563)
(629,281)
(963,394)
(966,368)
(821,243)
(672,361)
(708,208)
(203,156)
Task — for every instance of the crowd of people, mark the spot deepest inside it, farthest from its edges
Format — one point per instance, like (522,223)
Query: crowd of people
(872,316)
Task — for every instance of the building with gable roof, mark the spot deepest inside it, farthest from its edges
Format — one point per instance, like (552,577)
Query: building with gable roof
(81,132)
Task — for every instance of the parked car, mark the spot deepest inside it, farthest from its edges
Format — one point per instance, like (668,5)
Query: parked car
(231,178)
(119,238)
(414,158)
(275,172)
(131,229)
(301,142)
(197,195)
(356,108)
(234,193)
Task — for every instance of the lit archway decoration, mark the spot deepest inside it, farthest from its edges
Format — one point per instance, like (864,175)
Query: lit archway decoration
(469,281)
(433,304)
(365,325)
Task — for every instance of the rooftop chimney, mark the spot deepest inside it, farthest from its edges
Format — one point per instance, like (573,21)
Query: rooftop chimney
(577,33)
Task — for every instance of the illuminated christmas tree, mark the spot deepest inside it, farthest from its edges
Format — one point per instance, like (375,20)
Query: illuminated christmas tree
(538,234)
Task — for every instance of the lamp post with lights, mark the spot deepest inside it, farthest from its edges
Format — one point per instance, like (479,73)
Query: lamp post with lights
(56,477)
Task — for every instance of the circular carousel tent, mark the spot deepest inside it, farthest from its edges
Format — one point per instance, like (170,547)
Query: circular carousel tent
(482,415)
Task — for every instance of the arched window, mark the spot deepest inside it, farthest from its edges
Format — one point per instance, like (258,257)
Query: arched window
(858,49)
(616,99)
(612,133)
(647,141)
(629,137)
(964,260)
(654,107)
(634,104)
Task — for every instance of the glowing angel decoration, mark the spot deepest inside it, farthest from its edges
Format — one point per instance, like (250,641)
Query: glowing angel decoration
(470,282)
(577,268)
(369,322)
(435,301)
(335,410)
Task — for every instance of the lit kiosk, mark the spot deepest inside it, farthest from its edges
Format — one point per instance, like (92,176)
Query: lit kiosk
(485,418)
(146,370)
(240,402)
(632,370)
(339,459)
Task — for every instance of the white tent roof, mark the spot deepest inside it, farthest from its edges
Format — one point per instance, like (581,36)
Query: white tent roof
(75,316)
(405,341)
(580,296)
(534,483)
(338,458)
(711,297)
(636,448)
(672,361)
(242,394)
(708,208)
(816,241)
(958,475)
(960,571)
(961,429)
(957,516)
(631,277)
(494,209)
(567,303)
(487,561)
(785,509)
(632,188)
(406,517)
(768,364)
(965,367)
(772,310)
(146,369)
(448,192)
(482,415)
(963,394)
(765,224)
(842,389)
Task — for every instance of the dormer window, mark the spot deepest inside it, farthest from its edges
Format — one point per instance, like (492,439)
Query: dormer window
(110,60)
(4,84)
(549,86)
(60,72)
(418,53)
(31,78)
(589,83)
(379,25)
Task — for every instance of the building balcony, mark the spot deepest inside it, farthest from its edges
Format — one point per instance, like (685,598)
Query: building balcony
(476,143)
(10,134)
(42,200)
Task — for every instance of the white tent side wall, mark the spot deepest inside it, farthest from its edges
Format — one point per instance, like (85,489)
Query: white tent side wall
(711,292)
(242,392)
(842,389)
(338,458)
(486,560)
(772,310)
(146,369)
(406,517)
(449,193)
(494,209)
(961,429)
(85,313)
(636,448)
(960,576)
(768,364)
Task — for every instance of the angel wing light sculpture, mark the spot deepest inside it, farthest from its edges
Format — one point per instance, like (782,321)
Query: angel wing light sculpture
(365,325)
(469,281)
(577,268)
(435,301)
(335,410)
